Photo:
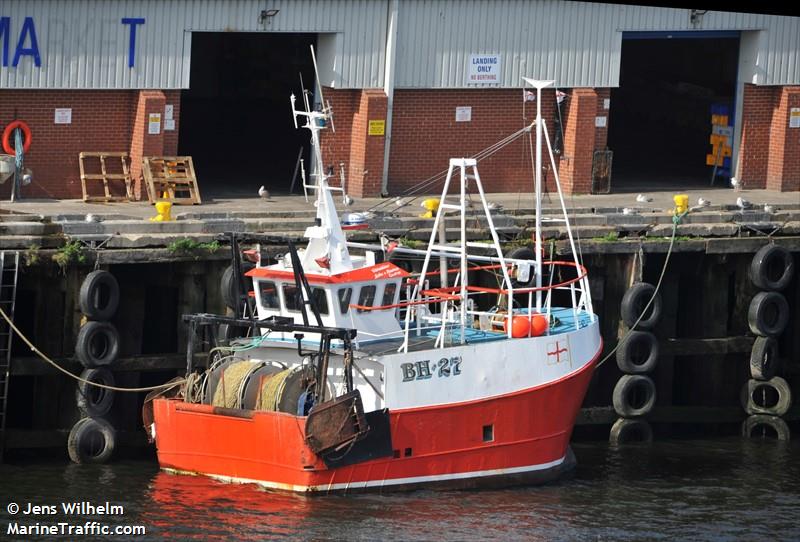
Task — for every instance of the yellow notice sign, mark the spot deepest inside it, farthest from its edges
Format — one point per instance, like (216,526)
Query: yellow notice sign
(377,127)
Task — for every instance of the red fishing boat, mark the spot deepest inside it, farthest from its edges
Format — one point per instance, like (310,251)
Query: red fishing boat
(358,374)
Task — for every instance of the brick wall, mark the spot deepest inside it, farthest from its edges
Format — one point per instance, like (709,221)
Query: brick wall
(101,121)
(769,156)
(425,135)
(361,154)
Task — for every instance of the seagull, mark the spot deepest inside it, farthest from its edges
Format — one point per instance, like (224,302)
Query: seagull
(735,183)
(263,192)
(494,206)
(347,200)
(92,218)
(398,201)
(769,209)
(703,202)
(642,198)
(742,203)
(629,211)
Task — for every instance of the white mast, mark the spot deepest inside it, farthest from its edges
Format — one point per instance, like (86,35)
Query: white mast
(326,239)
(539,85)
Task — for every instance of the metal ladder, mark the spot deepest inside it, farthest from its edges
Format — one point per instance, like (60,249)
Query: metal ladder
(9,271)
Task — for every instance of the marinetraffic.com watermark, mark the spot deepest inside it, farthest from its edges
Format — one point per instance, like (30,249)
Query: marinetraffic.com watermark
(66,519)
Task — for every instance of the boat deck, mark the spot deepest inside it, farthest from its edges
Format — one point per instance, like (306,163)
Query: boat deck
(565,321)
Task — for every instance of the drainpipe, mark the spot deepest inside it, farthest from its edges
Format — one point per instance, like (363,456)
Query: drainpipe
(388,88)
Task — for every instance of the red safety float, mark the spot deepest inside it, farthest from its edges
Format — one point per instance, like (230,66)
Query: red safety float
(9,131)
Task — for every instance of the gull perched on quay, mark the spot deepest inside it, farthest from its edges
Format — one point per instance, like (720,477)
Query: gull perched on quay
(742,203)
(643,198)
(263,192)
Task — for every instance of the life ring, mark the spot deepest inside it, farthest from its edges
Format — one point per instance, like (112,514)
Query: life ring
(638,354)
(634,396)
(625,431)
(99,295)
(97,344)
(755,426)
(772,268)
(764,358)
(92,400)
(768,314)
(773,396)
(91,440)
(635,300)
(9,130)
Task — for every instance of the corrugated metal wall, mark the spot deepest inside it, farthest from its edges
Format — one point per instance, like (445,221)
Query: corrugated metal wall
(576,44)
(83,44)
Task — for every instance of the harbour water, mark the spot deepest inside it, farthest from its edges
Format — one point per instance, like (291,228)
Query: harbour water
(721,489)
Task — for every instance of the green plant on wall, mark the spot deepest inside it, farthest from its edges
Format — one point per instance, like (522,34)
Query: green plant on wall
(31,255)
(187,245)
(71,252)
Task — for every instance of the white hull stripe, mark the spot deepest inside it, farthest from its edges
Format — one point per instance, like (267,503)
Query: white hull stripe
(378,483)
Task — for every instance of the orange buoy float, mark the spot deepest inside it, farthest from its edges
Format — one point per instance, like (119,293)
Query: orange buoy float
(520,326)
(526,326)
(538,324)
(9,130)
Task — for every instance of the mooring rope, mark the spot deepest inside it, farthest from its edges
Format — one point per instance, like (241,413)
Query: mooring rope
(44,357)
(675,221)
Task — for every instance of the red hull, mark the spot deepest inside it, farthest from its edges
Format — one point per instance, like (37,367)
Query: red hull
(441,445)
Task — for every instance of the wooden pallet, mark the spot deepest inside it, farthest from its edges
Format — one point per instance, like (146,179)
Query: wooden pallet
(170,178)
(100,172)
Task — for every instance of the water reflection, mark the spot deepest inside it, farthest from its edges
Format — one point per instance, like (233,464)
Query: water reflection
(728,489)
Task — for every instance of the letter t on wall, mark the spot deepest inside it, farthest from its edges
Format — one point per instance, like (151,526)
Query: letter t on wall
(132,45)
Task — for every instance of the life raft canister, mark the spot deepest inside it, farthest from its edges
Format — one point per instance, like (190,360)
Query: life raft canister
(9,130)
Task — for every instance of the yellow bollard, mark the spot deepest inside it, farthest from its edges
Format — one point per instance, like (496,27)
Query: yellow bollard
(163,209)
(431,205)
(681,203)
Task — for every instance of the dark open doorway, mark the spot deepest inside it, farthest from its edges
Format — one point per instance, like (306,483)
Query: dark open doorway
(660,118)
(236,121)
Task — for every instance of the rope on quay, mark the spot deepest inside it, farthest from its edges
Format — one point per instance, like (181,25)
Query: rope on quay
(675,221)
(44,357)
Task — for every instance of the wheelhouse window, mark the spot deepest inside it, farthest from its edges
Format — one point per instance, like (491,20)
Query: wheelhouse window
(294,299)
(344,295)
(268,293)
(389,292)
(366,297)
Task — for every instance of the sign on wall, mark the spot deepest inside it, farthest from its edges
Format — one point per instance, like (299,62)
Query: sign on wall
(794,117)
(464,114)
(377,127)
(154,123)
(63,115)
(483,69)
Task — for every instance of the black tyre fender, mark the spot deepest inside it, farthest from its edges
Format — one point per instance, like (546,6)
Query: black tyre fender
(91,440)
(773,396)
(99,295)
(625,431)
(638,354)
(97,344)
(768,314)
(756,425)
(228,284)
(772,268)
(94,401)
(635,300)
(764,358)
(634,396)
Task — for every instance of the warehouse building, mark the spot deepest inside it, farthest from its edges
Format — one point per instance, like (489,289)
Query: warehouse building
(412,83)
